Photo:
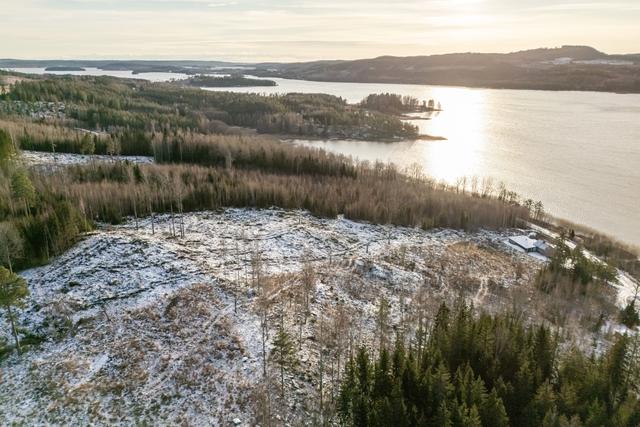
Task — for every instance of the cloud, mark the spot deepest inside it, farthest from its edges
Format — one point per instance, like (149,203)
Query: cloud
(308,29)
(223,4)
(588,6)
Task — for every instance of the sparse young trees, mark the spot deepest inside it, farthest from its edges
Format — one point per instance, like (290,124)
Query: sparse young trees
(13,290)
(308,276)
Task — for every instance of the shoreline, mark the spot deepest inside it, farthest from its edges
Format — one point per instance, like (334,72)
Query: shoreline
(292,137)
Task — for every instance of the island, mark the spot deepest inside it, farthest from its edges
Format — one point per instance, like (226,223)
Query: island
(398,105)
(64,68)
(227,81)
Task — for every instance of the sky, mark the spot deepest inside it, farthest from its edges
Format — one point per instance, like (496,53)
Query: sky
(290,30)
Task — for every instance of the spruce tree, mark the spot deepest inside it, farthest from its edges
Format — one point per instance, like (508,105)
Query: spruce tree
(492,412)
(283,353)
(22,189)
(6,146)
(13,290)
(629,316)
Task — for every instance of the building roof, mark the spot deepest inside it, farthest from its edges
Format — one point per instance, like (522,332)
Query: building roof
(524,242)
(542,245)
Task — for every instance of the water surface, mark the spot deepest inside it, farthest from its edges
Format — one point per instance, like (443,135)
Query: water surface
(577,152)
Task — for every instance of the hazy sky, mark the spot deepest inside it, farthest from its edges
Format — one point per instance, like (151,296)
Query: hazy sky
(304,29)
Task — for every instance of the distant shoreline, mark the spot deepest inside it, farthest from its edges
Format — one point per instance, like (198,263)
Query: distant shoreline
(467,85)
(64,68)
(436,83)
(290,138)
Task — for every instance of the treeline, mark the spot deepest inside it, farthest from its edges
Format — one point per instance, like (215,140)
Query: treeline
(56,138)
(249,152)
(391,103)
(102,103)
(47,212)
(61,138)
(490,371)
(204,80)
(109,192)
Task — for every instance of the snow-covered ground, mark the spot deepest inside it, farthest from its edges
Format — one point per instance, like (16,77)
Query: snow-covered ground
(46,160)
(148,324)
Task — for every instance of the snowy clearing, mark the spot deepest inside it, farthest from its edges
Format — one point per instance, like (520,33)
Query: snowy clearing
(140,323)
(48,161)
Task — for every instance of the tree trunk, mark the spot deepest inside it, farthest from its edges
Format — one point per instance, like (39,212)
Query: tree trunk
(264,344)
(181,221)
(173,225)
(14,331)
(46,241)
(339,372)
(135,213)
(321,340)
(300,332)
(235,293)
(13,142)
(9,262)
(11,207)
(282,380)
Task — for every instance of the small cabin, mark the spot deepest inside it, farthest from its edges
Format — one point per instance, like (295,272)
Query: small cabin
(529,244)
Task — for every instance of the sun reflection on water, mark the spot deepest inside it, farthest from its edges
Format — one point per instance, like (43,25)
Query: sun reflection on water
(463,123)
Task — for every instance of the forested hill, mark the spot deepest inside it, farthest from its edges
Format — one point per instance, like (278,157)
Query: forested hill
(565,68)
(107,103)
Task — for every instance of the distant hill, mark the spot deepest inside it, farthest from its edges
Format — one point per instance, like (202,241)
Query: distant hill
(137,66)
(565,68)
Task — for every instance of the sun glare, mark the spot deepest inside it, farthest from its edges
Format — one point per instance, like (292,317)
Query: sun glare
(462,122)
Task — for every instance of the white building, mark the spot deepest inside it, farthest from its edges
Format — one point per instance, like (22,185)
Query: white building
(531,245)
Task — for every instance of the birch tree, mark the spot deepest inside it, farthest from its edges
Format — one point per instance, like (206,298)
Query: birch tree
(11,245)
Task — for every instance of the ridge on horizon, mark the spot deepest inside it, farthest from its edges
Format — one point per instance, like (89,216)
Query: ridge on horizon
(548,50)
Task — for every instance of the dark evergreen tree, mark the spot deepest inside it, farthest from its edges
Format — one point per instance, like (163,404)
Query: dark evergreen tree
(531,385)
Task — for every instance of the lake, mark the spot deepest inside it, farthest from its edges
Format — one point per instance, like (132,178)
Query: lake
(577,152)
